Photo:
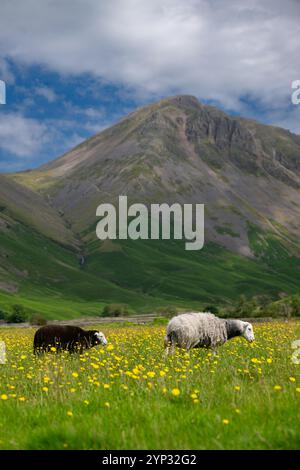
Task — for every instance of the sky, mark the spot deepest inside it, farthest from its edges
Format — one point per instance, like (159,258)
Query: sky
(75,67)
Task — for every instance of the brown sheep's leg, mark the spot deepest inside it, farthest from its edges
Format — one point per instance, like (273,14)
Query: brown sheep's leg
(38,351)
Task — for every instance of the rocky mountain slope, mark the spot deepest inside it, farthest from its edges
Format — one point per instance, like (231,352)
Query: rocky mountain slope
(181,150)
(177,150)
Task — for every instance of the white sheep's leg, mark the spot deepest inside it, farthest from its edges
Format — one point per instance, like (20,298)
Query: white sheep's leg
(188,351)
(167,344)
(214,354)
(211,353)
(173,348)
(167,351)
(170,345)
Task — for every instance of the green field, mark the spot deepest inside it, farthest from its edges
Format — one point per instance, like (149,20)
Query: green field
(146,275)
(128,396)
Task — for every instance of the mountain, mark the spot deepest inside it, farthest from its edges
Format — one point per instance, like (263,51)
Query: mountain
(21,204)
(177,150)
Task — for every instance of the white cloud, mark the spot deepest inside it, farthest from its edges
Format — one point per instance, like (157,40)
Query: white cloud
(288,119)
(46,93)
(21,136)
(5,72)
(30,139)
(216,50)
(89,112)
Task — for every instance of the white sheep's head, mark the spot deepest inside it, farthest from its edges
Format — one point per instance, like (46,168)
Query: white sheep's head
(248,333)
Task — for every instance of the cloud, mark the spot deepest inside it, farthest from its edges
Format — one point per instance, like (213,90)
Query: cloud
(46,93)
(221,51)
(87,112)
(288,119)
(21,136)
(5,72)
(29,139)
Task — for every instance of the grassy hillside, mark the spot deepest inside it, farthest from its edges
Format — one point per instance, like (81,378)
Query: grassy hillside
(20,204)
(47,277)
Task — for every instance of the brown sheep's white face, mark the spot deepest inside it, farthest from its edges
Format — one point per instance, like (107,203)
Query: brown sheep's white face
(100,338)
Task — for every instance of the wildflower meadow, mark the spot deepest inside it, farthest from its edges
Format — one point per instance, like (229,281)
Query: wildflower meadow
(127,395)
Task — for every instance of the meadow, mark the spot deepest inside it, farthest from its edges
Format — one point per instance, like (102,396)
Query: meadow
(128,396)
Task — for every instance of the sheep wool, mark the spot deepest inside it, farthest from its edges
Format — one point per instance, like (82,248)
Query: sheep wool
(190,330)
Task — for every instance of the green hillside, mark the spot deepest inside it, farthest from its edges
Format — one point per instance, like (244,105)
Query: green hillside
(145,275)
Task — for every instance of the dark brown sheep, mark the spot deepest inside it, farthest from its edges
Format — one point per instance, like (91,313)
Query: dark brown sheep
(66,337)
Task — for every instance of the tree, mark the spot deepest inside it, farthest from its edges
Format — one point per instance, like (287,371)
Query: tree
(286,310)
(3,315)
(18,314)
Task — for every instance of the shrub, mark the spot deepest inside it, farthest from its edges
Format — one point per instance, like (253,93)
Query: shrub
(37,319)
(168,311)
(212,309)
(115,310)
(160,321)
(3,315)
(287,307)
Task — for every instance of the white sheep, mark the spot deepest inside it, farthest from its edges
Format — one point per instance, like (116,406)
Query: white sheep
(201,329)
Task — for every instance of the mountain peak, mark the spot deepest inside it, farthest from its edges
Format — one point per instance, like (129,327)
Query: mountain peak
(180,100)
(178,149)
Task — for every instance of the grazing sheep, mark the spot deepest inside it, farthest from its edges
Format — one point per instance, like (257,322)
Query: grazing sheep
(65,337)
(200,330)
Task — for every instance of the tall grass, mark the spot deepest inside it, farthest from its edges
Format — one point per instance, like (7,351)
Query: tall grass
(128,396)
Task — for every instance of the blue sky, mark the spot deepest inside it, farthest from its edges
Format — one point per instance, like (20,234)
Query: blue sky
(53,113)
(75,67)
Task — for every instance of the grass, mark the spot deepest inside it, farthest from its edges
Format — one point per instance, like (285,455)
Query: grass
(145,275)
(127,396)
